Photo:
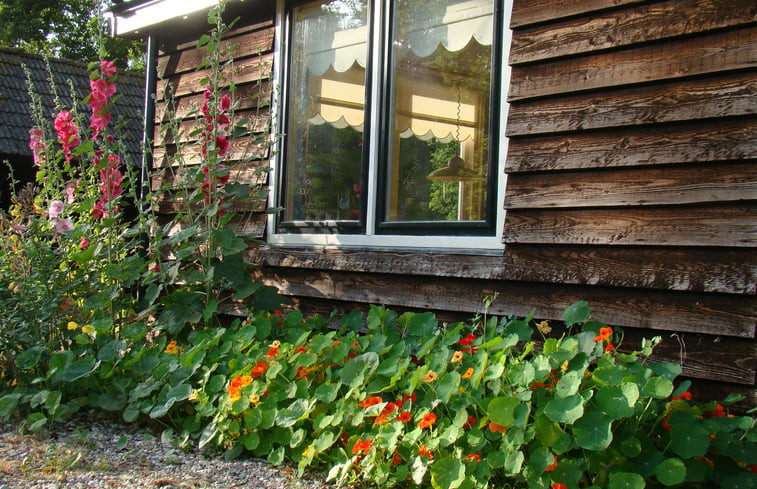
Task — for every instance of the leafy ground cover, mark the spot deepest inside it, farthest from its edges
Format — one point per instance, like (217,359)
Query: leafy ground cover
(123,315)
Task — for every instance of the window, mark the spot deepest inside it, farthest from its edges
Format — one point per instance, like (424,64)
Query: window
(390,115)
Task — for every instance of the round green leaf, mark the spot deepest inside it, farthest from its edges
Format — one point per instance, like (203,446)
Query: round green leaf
(448,385)
(447,473)
(626,480)
(540,459)
(576,313)
(569,384)
(28,358)
(658,387)
(593,431)
(522,374)
(618,401)
(566,410)
(670,472)
(689,440)
(631,447)
(501,410)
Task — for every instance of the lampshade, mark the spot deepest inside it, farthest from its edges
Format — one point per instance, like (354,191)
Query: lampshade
(455,171)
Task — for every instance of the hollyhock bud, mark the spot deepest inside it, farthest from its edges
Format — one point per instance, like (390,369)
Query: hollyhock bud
(225,103)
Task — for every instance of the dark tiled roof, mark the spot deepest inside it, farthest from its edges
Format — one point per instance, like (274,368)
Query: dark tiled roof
(15,101)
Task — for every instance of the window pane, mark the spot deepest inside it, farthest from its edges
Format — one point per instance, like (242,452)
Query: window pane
(439,140)
(326,111)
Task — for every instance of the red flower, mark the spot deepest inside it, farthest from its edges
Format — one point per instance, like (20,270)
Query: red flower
(300,349)
(553,466)
(468,340)
(473,456)
(222,144)
(362,446)
(424,452)
(559,485)
(604,334)
(381,419)
(685,395)
(259,369)
(404,417)
(273,351)
(665,424)
(719,412)
(427,421)
(225,103)
(609,347)
(470,423)
(371,401)
(396,460)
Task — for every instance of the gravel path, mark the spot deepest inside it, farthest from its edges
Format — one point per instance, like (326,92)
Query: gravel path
(99,454)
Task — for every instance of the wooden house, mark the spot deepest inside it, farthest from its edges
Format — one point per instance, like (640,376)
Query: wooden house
(609,147)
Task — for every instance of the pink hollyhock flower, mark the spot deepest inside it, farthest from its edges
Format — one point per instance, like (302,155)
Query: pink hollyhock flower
(64,225)
(107,68)
(102,87)
(68,134)
(84,244)
(97,123)
(70,189)
(37,144)
(55,208)
(225,103)
(223,120)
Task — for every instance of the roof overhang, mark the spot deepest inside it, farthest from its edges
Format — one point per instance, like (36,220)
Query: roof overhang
(139,17)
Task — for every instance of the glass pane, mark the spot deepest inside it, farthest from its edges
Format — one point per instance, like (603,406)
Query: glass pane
(325,112)
(439,140)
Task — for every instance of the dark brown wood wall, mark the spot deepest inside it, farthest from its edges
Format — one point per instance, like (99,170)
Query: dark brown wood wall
(180,95)
(631,185)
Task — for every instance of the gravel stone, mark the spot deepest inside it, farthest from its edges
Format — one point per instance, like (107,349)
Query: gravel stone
(91,453)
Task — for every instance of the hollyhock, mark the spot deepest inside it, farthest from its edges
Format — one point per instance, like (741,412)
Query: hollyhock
(107,68)
(55,209)
(64,225)
(37,145)
(225,103)
(68,134)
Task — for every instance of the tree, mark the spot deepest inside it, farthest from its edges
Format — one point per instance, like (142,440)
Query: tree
(71,29)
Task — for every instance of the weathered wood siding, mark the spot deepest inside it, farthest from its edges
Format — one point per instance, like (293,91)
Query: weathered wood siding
(631,185)
(178,120)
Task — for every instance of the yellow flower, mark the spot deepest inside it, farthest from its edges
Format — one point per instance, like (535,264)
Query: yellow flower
(87,329)
(308,451)
(254,399)
(461,389)
(71,325)
(171,348)
(275,344)
(429,377)
(564,366)
(195,396)
(543,327)
(457,357)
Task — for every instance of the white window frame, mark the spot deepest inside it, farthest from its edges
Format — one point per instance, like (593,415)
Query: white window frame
(370,239)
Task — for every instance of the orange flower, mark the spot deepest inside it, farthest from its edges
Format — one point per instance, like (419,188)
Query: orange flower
(559,485)
(430,377)
(171,347)
(553,466)
(424,452)
(470,423)
(474,457)
(273,351)
(404,417)
(427,421)
(371,401)
(361,446)
(300,349)
(604,334)
(234,394)
(685,395)
(457,357)
(719,412)
(468,373)
(396,460)
(259,369)
(380,419)
(496,428)
(302,373)
(245,380)
(609,347)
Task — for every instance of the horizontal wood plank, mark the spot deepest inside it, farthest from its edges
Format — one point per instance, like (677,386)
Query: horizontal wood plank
(263,19)
(619,28)
(708,98)
(664,61)
(241,46)
(703,141)
(170,179)
(242,149)
(700,184)
(734,226)
(192,82)
(257,122)
(250,226)
(655,310)
(246,97)
(725,270)
(527,12)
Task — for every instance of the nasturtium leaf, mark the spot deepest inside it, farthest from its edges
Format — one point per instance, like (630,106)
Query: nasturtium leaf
(513,462)
(618,401)
(250,440)
(540,459)
(496,459)
(520,328)
(501,410)
(671,472)
(630,447)
(569,471)
(28,358)
(522,374)
(276,457)
(610,375)
(566,410)
(112,350)
(327,392)
(324,441)
(546,430)
(289,416)
(180,392)
(577,312)
(569,383)
(668,370)
(626,480)
(657,387)
(297,437)
(741,480)
(36,422)
(80,368)
(60,360)
(593,431)
(162,409)
(356,369)
(689,440)
(448,385)
(422,325)
(447,473)
(8,404)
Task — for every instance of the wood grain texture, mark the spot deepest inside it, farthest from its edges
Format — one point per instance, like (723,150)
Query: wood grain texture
(243,45)
(702,141)
(727,315)
(708,98)
(241,149)
(689,184)
(725,270)
(626,27)
(246,96)
(256,121)
(664,61)
(175,178)
(681,226)
(529,12)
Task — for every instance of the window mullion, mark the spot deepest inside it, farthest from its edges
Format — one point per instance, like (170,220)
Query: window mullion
(378,35)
